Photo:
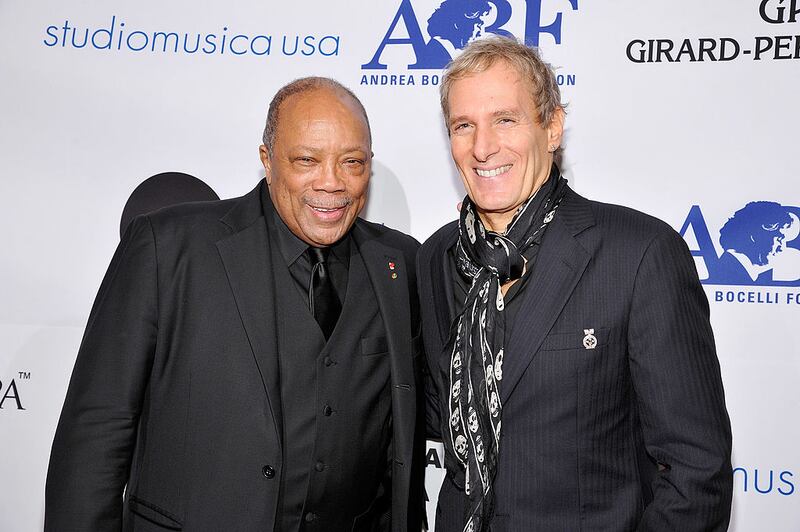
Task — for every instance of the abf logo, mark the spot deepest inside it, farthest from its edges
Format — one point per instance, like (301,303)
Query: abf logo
(759,243)
(455,23)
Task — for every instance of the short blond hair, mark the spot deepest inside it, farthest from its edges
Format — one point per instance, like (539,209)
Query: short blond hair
(482,54)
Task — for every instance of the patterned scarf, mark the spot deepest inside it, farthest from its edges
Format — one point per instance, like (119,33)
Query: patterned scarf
(471,428)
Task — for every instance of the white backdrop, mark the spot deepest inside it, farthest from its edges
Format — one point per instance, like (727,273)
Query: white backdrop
(712,124)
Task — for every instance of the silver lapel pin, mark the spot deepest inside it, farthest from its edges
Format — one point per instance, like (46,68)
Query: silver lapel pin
(590,340)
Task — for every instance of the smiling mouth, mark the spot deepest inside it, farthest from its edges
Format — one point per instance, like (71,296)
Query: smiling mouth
(328,213)
(494,172)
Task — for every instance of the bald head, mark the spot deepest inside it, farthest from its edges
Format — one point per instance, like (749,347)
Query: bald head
(300,87)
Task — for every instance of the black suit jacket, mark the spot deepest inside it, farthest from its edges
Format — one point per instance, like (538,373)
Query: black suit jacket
(630,435)
(174,397)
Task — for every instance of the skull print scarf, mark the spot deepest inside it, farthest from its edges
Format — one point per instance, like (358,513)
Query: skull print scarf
(471,409)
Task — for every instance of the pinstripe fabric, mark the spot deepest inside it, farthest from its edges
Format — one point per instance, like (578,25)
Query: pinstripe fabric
(585,429)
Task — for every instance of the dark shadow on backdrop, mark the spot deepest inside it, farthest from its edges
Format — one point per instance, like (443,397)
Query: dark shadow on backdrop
(163,190)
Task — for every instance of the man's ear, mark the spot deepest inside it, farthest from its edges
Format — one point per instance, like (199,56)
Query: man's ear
(263,154)
(555,130)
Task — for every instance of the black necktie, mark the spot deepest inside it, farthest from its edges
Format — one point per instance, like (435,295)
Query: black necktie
(322,298)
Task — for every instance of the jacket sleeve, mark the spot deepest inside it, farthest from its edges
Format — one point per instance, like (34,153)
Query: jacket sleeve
(681,402)
(432,348)
(95,437)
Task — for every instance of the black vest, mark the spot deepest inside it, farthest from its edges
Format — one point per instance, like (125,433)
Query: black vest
(336,405)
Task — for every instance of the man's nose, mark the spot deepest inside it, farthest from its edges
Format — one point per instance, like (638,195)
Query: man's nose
(485,145)
(329,178)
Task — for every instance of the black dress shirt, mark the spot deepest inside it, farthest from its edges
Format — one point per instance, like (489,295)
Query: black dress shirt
(293,251)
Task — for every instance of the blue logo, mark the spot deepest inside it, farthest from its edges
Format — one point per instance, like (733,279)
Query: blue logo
(456,23)
(764,481)
(117,37)
(759,243)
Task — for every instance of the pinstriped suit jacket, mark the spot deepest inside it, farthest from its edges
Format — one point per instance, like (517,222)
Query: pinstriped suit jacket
(630,435)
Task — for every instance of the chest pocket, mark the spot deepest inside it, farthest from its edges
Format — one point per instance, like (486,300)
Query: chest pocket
(375,345)
(588,339)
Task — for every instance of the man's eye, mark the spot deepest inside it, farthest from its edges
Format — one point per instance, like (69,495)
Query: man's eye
(304,160)
(460,127)
(354,165)
(506,121)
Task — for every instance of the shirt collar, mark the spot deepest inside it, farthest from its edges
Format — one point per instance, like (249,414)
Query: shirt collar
(292,247)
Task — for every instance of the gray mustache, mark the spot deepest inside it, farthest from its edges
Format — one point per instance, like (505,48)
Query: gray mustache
(328,202)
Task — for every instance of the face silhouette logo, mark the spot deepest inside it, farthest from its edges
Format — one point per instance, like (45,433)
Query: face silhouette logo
(459,22)
(757,235)
(759,242)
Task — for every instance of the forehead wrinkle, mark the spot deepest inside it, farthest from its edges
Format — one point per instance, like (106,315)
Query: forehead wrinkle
(494,114)
(351,149)
(322,135)
(506,112)
(307,148)
(500,73)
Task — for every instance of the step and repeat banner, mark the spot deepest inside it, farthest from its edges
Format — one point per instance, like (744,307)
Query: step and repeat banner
(685,110)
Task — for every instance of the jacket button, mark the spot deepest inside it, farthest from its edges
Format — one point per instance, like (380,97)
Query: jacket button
(328,361)
(268,471)
(310,516)
(327,410)
(319,466)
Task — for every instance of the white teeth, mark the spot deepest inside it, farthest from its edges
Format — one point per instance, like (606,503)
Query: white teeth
(495,172)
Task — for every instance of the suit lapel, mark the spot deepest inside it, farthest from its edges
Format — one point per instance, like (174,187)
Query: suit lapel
(245,256)
(388,274)
(559,265)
